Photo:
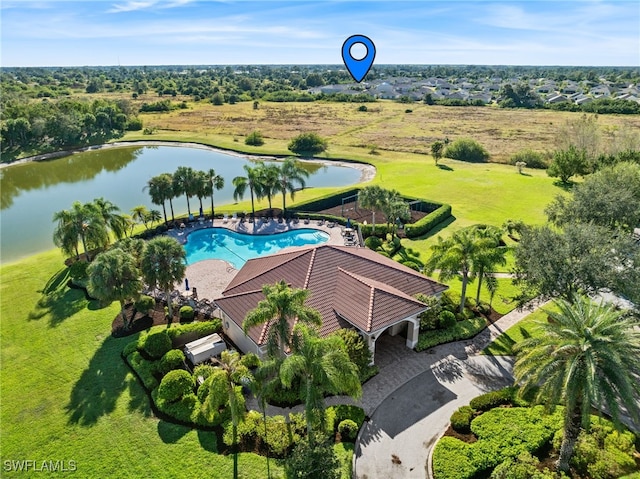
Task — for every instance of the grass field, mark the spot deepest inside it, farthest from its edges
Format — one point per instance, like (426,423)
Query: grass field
(67,394)
(526,328)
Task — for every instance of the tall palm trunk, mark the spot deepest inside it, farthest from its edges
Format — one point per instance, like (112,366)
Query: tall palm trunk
(84,246)
(253,209)
(164,211)
(480,275)
(463,293)
(167,292)
(284,201)
(234,422)
(572,423)
(173,218)
(212,211)
(309,413)
(188,205)
(124,318)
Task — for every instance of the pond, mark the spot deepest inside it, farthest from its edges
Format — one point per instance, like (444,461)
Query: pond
(30,193)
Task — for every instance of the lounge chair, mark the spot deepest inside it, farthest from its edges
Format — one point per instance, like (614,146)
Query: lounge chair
(330,224)
(306,221)
(320,221)
(225,218)
(234,218)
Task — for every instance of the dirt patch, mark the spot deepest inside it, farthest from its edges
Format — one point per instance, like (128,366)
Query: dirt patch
(142,321)
(468,438)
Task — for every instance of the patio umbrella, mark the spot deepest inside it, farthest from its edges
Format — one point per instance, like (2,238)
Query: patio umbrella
(186,284)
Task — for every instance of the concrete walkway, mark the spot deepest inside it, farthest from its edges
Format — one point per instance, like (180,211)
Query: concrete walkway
(411,400)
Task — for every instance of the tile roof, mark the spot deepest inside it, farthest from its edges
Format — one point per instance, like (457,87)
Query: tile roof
(347,285)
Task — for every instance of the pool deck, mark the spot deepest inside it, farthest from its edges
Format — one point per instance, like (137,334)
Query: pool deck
(212,276)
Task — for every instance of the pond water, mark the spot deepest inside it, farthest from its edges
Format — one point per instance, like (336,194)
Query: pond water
(30,193)
(238,248)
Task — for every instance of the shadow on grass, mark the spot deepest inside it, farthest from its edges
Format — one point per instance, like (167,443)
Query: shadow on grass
(171,433)
(139,398)
(565,186)
(208,440)
(96,392)
(445,167)
(59,304)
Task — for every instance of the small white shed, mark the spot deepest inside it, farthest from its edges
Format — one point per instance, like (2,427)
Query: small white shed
(204,348)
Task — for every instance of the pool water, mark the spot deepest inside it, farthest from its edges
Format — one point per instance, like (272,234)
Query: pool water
(238,248)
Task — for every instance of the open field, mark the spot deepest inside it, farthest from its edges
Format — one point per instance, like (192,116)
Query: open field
(385,125)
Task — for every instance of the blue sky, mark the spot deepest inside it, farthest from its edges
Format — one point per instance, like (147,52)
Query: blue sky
(164,32)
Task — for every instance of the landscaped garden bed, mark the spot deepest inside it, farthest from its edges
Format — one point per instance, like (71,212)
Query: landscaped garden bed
(500,435)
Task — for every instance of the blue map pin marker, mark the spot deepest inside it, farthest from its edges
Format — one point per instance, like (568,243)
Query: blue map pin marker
(358,68)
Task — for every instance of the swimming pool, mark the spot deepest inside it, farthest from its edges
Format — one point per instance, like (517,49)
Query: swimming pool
(238,248)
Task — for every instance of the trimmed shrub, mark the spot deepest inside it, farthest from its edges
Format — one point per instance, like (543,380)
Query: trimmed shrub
(379,230)
(373,242)
(173,359)
(362,108)
(144,304)
(336,414)
(175,385)
(186,409)
(358,351)
(306,462)
(424,225)
(200,328)
(144,369)
(348,430)
(525,466)
(186,314)
(430,319)
(461,419)
(411,264)
(466,149)
(254,139)
(307,143)
(447,319)
(493,399)
(156,344)
(203,370)
(78,270)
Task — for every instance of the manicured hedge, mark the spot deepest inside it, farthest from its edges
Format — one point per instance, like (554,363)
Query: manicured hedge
(336,414)
(201,328)
(172,359)
(380,230)
(461,419)
(325,202)
(462,330)
(424,225)
(186,313)
(348,430)
(502,433)
(144,369)
(493,399)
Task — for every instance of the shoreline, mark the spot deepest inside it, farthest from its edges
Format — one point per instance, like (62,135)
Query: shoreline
(367,171)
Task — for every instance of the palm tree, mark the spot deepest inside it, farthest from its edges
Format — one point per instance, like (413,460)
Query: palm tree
(111,217)
(588,355)
(154,216)
(251,181)
(454,258)
(236,374)
(322,366)
(393,206)
(488,256)
(372,197)
(113,276)
(84,223)
(202,186)
(185,183)
(216,183)
(290,174)
(160,190)
(269,181)
(65,235)
(163,265)
(283,305)
(139,214)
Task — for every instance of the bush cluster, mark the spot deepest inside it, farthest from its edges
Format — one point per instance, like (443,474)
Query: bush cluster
(466,149)
(308,143)
(78,270)
(336,414)
(254,139)
(464,329)
(175,385)
(200,328)
(533,159)
(358,351)
(373,242)
(379,230)
(424,225)
(155,344)
(502,433)
(430,319)
(280,436)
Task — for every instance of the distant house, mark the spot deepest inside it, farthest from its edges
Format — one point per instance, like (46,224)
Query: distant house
(557,98)
(385,91)
(351,288)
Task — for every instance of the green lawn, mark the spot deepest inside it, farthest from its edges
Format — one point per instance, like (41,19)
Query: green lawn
(67,394)
(502,302)
(526,328)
